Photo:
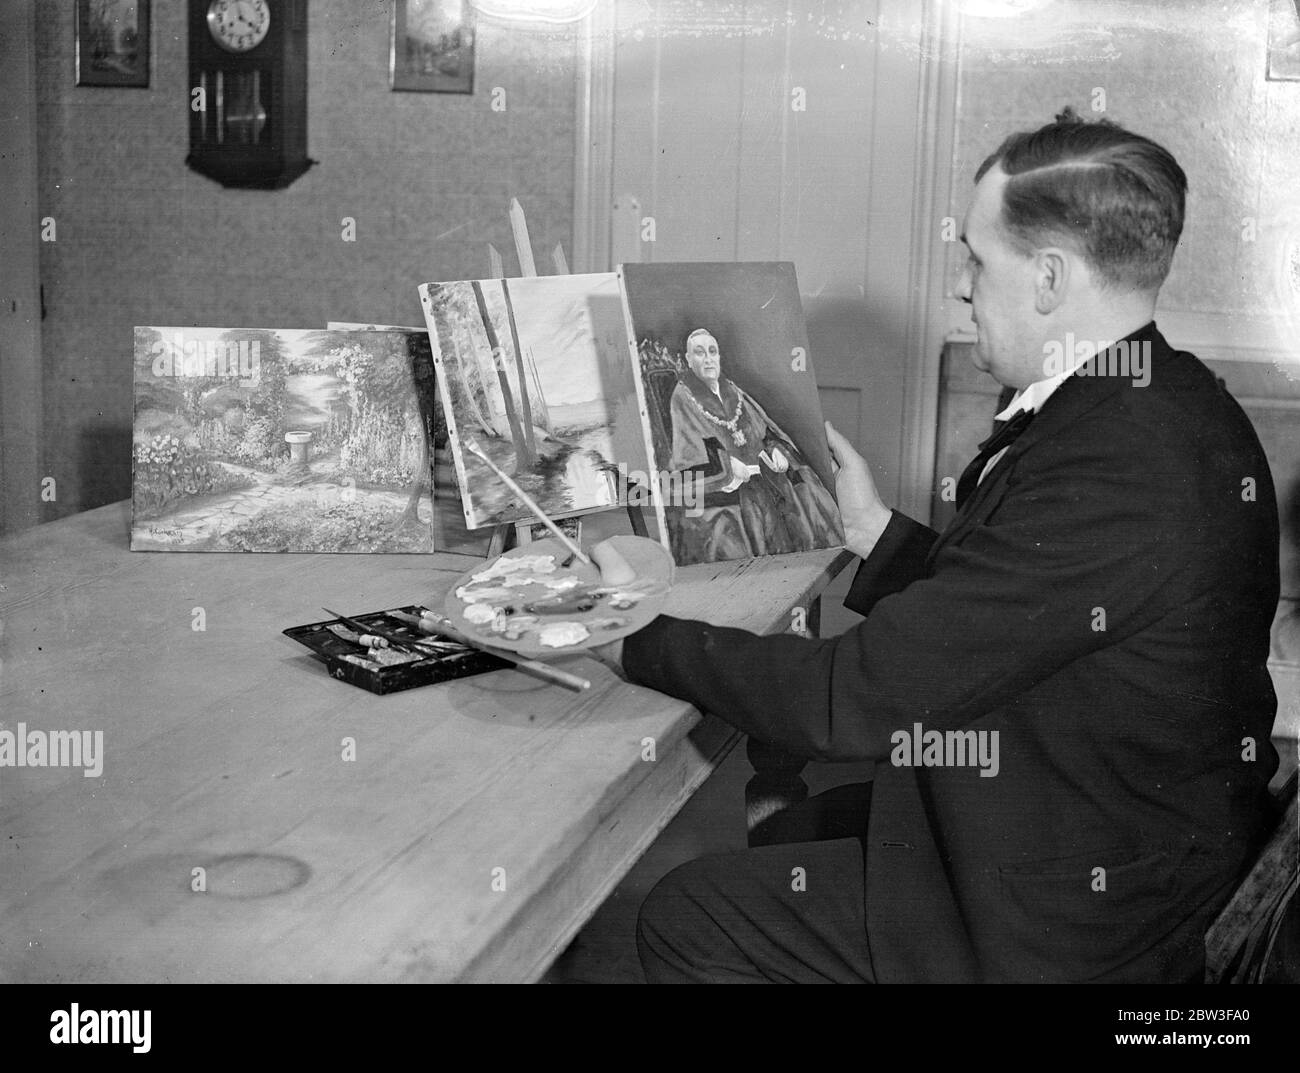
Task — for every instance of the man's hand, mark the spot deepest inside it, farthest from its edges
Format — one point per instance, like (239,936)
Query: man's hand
(864,515)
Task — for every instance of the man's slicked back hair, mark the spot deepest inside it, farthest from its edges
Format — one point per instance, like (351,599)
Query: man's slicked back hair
(1115,196)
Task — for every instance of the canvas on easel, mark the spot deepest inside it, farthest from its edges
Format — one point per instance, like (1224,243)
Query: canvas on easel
(535,371)
(726,386)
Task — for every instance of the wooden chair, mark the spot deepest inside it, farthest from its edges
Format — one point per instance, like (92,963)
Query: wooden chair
(1256,939)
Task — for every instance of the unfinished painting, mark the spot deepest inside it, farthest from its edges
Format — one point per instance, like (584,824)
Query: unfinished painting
(534,371)
(732,410)
(250,439)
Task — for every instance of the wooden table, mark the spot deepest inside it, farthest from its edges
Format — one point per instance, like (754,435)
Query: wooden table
(224,751)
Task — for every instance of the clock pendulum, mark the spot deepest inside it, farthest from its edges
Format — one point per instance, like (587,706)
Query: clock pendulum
(248,91)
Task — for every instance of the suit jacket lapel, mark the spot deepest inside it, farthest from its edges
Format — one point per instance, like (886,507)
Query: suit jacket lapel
(982,501)
(1074,398)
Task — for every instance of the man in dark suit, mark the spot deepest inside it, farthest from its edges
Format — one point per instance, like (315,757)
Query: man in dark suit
(1065,691)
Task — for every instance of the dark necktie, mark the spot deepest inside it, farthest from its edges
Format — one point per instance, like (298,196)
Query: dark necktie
(1002,437)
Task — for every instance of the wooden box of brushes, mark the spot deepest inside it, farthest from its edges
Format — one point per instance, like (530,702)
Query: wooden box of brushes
(388,669)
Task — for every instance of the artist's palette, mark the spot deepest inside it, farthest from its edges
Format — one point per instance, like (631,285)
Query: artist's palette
(526,601)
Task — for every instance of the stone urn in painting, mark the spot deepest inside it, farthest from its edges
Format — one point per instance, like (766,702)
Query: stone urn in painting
(299,450)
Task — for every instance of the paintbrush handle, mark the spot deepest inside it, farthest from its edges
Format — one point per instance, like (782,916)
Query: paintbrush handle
(363,631)
(528,502)
(427,626)
(545,670)
(436,627)
(433,623)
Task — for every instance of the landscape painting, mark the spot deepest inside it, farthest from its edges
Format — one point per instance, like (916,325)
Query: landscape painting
(298,440)
(432,46)
(535,372)
(112,43)
(731,408)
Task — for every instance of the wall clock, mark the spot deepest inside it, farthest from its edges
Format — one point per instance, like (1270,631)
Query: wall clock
(248,91)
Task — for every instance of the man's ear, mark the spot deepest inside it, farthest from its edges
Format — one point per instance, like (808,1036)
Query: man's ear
(1052,280)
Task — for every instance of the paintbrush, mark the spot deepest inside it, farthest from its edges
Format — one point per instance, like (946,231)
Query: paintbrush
(394,639)
(527,501)
(439,625)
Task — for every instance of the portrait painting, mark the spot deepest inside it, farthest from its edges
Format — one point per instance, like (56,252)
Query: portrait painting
(252,439)
(535,373)
(731,408)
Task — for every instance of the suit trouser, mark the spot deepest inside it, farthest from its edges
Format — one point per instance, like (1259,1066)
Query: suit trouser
(788,912)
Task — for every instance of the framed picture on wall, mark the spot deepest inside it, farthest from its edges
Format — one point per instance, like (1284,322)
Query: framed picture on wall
(432,48)
(1284,41)
(113,43)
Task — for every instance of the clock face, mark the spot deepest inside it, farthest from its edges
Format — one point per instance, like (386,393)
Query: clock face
(238,25)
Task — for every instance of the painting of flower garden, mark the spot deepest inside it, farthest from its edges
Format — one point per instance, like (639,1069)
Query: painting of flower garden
(283,440)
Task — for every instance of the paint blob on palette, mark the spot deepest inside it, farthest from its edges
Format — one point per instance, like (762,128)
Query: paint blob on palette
(537,601)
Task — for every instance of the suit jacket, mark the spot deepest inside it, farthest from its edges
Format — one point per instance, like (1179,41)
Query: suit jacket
(1103,602)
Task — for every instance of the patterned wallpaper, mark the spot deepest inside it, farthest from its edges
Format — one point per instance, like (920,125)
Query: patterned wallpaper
(141,239)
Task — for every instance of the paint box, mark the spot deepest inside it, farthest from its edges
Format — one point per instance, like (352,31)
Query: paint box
(334,652)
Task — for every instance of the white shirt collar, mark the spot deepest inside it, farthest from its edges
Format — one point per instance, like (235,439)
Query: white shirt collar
(1037,393)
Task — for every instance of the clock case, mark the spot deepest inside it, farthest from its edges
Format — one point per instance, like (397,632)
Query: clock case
(253,131)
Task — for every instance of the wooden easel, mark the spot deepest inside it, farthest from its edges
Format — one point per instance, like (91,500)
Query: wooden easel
(516,534)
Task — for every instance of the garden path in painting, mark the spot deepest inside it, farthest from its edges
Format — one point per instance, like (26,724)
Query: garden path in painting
(311,441)
(201,523)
